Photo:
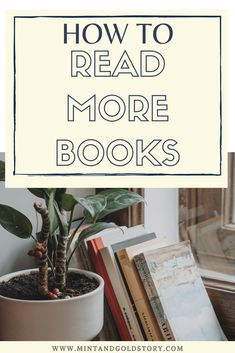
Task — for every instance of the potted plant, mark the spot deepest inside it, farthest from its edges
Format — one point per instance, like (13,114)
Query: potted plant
(55,302)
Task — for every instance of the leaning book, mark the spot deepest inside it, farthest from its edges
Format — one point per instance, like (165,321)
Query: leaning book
(177,294)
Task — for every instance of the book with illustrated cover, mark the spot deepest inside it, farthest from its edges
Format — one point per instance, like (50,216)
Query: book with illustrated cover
(177,294)
(135,286)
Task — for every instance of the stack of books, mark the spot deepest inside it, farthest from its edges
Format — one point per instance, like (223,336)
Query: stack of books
(153,290)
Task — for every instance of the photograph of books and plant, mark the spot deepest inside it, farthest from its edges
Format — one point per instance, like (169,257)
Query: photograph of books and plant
(117,264)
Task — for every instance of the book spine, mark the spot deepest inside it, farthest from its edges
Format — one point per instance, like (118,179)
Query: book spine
(110,330)
(148,321)
(121,294)
(134,309)
(94,246)
(87,263)
(154,299)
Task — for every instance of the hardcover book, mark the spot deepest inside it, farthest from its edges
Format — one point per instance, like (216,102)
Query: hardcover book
(94,245)
(124,299)
(177,294)
(135,286)
(93,259)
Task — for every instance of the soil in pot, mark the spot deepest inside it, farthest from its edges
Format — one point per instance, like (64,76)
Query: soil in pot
(24,287)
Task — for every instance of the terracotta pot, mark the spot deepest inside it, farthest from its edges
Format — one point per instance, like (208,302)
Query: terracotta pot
(74,319)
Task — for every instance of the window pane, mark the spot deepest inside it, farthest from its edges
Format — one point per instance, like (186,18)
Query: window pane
(207,219)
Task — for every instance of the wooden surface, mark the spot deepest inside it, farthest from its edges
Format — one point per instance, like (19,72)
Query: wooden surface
(223,302)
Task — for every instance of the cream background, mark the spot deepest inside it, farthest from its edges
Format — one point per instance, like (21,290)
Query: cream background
(188,347)
(42,96)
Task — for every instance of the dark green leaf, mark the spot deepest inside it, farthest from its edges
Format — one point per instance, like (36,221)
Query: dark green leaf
(37,192)
(2,171)
(42,193)
(74,233)
(68,202)
(94,229)
(15,222)
(62,221)
(59,194)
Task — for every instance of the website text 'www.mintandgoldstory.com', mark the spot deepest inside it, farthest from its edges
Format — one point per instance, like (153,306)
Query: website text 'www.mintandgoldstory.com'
(119,348)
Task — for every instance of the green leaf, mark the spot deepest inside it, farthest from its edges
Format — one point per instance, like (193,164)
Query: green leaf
(59,192)
(38,193)
(62,222)
(95,228)
(2,171)
(113,200)
(48,192)
(42,193)
(91,230)
(118,199)
(68,202)
(15,222)
(93,206)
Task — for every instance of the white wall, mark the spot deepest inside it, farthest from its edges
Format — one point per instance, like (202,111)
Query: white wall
(161,212)
(13,250)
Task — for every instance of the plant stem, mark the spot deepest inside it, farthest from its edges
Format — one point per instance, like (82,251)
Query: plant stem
(42,248)
(48,258)
(60,261)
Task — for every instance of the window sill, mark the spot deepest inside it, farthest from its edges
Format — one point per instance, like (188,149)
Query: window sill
(217,280)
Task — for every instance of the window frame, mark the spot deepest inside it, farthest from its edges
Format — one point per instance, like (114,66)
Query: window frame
(190,214)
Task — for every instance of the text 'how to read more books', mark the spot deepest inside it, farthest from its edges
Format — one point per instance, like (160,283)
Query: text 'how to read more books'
(116,98)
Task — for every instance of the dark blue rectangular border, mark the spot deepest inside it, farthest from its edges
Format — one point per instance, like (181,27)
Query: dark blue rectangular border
(116,174)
